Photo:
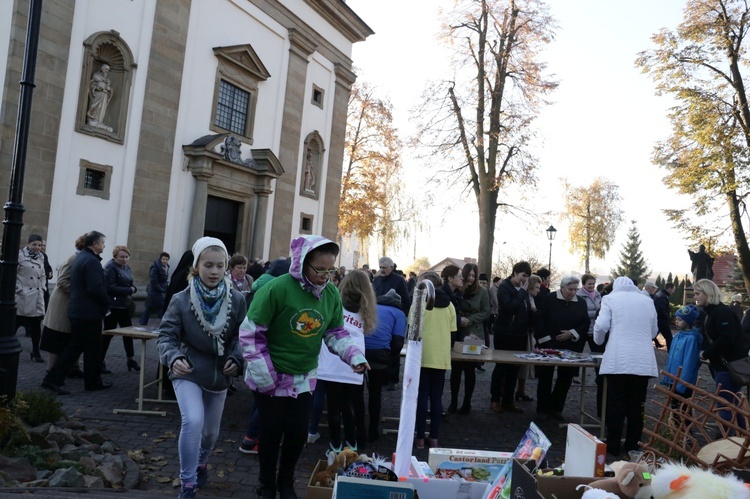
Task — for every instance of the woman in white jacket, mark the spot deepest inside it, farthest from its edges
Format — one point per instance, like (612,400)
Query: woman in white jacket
(629,361)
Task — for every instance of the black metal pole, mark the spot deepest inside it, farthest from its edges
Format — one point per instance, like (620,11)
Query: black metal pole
(549,267)
(9,346)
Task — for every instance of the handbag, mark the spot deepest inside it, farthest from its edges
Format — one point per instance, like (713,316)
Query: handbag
(739,371)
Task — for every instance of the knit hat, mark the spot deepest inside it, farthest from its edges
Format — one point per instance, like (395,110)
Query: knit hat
(688,313)
(206,242)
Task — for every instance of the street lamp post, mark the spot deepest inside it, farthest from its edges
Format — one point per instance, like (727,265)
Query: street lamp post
(551,233)
(9,346)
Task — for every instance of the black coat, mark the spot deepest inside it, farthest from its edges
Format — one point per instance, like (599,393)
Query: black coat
(119,285)
(382,284)
(661,303)
(158,278)
(511,324)
(556,314)
(723,336)
(88,288)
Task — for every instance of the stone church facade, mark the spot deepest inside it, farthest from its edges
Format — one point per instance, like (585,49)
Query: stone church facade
(160,121)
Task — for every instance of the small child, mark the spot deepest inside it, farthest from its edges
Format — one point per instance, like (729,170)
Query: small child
(685,350)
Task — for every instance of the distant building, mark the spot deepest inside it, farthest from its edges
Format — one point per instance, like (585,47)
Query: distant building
(458,262)
(157,122)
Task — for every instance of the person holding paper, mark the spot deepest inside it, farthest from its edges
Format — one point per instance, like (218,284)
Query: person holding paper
(563,322)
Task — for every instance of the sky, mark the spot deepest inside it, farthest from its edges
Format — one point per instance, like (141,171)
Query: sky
(604,121)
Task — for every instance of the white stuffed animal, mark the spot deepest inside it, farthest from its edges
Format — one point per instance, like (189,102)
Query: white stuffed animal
(676,481)
(592,493)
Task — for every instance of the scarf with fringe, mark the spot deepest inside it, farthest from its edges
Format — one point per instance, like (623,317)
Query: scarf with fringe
(212,308)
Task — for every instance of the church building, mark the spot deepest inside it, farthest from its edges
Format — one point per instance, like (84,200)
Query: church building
(156,122)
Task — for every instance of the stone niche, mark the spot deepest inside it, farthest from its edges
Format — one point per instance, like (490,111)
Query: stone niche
(106,79)
(312,162)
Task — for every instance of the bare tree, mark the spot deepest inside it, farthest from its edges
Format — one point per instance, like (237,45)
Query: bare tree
(477,125)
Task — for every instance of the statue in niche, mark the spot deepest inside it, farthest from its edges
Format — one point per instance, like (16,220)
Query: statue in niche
(100,94)
(309,174)
(702,264)
(232,151)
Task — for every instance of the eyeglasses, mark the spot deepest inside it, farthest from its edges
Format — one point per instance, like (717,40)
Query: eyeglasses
(324,272)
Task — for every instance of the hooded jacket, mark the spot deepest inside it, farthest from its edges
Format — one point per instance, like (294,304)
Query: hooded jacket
(439,323)
(391,325)
(158,278)
(629,318)
(288,317)
(684,352)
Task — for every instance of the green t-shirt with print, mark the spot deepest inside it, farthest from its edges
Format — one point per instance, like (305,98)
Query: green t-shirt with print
(296,321)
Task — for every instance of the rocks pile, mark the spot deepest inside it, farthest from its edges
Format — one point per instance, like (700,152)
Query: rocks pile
(80,458)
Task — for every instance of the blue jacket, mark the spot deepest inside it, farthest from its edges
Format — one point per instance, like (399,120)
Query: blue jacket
(685,352)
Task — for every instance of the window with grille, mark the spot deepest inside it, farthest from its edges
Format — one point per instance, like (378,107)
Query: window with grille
(94,180)
(232,108)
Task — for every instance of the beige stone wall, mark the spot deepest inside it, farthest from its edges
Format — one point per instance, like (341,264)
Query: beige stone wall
(51,68)
(291,137)
(157,135)
(344,80)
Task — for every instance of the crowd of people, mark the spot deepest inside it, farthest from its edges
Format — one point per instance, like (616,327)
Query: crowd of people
(287,325)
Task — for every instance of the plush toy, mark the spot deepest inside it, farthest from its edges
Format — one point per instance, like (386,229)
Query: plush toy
(596,493)
(632,481)
(347,456)
(324,478)
(676,481)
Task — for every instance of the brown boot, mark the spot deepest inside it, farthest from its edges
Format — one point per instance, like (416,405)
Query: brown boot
(496,407)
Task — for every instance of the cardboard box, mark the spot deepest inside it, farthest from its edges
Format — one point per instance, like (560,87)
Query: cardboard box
(469,346)
(469,456)
(316,492)
(436,488)
(585,455)
(528,486)
(362,488)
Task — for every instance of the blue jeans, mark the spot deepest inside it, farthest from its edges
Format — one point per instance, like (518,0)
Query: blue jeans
(723,378)
(431,383)
(318,403)
(200,411)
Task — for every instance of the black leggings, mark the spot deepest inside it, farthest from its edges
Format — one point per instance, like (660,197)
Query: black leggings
(469,368)
(346,404)
(117,317)
(33,327)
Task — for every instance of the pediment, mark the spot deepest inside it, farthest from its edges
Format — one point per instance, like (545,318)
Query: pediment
(245,57)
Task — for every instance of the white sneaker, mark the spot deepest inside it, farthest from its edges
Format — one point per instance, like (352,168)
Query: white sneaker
(312,437)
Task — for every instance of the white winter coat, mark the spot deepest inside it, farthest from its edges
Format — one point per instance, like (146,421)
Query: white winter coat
(630,319)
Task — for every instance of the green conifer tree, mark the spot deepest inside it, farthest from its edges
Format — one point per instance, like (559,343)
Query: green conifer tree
(632,264)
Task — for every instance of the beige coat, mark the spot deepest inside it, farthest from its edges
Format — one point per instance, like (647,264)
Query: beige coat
(57,311)
(31,282)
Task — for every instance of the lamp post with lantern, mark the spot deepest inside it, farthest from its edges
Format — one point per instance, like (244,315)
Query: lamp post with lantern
(551,233)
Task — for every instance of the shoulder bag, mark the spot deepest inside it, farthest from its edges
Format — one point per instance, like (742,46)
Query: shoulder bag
(739,370)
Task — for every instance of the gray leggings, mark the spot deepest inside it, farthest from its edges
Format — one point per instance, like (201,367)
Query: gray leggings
(200,411)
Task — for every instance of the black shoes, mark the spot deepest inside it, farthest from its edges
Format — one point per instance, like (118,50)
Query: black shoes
(54,388)
(36,357)
(465,409)
(132,365)
(524,397)
(75,373)
(102,385)
(104,369)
